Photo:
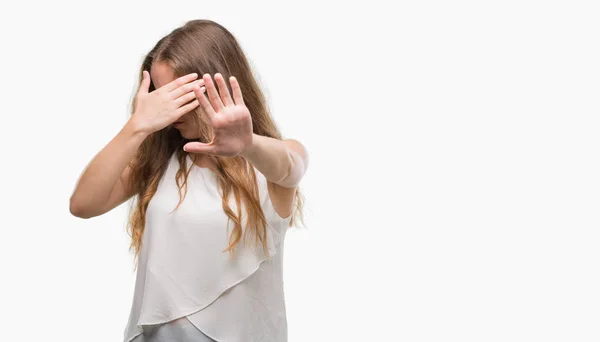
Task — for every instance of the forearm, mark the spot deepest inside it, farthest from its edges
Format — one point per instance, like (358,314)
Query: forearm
(98,179)
(273,159)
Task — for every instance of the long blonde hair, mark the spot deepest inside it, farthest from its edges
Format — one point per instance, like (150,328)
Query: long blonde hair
(203,46)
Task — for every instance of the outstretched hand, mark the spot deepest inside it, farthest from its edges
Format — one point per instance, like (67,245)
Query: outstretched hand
(230,118)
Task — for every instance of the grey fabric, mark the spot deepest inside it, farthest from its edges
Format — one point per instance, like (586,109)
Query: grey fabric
(179,330)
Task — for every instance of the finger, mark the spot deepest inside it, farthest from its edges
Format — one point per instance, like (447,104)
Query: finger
(198,147)
(237,91)
(187,108)
(223,90)
(145,85)
(204,101)
(180,81)
(185,99)
(186,88)
(215,100)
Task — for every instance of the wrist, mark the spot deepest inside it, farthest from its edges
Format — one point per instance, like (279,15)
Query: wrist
(249,147)
(137,129)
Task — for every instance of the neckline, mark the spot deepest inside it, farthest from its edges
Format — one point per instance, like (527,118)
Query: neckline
(194,165)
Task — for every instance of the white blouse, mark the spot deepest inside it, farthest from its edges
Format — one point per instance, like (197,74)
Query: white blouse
(182,270)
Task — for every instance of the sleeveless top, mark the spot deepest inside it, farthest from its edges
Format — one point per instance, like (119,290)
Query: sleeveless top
(183,271)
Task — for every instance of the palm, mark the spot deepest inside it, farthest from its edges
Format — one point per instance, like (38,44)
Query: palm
(230,119)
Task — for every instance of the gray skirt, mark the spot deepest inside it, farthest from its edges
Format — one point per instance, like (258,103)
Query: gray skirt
(179,330)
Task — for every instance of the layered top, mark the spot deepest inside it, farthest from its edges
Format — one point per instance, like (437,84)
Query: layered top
(183,271)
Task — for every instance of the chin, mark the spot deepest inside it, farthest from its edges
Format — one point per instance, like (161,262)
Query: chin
(186,134)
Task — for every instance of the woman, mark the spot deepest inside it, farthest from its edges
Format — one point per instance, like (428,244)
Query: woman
(215,188)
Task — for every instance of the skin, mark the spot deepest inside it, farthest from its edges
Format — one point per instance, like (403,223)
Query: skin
(282,162)
(161,74)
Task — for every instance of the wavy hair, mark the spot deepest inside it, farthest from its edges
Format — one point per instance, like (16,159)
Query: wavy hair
(203,46)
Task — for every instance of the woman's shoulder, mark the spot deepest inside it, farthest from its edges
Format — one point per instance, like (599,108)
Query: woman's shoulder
(280,199)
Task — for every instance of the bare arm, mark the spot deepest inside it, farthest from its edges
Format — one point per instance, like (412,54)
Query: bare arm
(104,184)
(283,162)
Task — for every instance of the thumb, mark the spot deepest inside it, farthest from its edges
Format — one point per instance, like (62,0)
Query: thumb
(145,85)
(198,147)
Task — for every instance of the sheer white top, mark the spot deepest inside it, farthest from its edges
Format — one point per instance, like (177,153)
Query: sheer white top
(182,270)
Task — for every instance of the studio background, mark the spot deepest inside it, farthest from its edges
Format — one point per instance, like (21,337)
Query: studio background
(453,187)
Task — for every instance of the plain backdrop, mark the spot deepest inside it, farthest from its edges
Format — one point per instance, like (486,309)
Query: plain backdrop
(454,186)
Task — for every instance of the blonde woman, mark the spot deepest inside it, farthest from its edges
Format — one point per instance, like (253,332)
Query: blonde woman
(214,189)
